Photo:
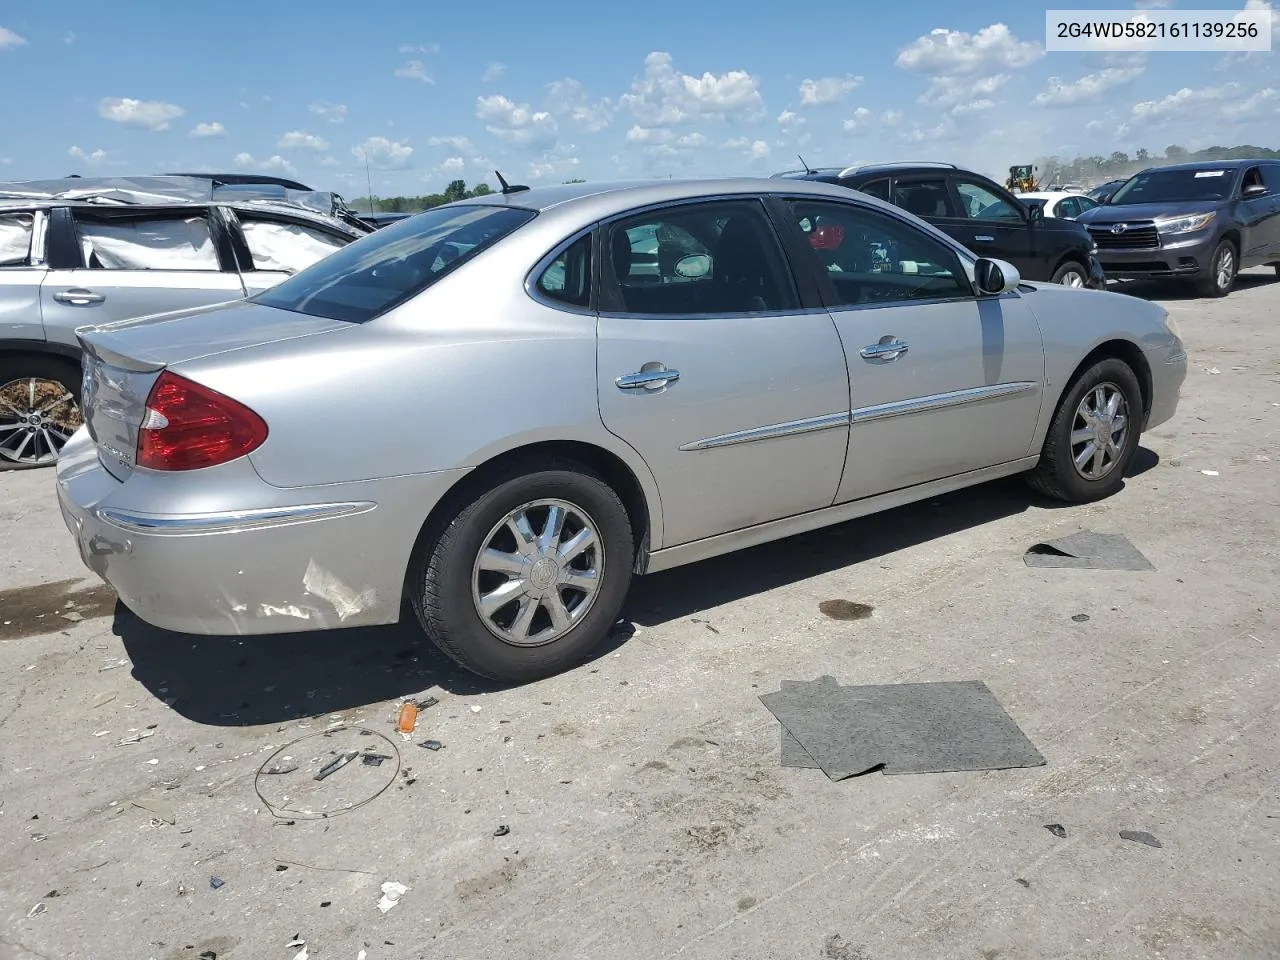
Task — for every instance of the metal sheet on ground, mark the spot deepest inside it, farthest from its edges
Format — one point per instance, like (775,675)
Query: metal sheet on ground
(1088,551)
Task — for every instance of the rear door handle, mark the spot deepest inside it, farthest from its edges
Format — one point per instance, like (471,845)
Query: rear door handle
(654,378)
(884,351)
(984,238)
(78,297)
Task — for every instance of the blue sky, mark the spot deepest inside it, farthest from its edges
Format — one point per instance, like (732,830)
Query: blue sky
(433,92)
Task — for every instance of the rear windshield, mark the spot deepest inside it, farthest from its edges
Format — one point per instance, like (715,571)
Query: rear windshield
(367,278)
(1175,186)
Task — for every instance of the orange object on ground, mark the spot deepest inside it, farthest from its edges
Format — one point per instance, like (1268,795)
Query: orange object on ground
(408,718)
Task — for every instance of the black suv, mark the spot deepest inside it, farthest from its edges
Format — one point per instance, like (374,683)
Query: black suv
(1202,221)
(980,214)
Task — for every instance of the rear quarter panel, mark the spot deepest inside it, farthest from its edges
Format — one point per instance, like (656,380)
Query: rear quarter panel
(470,369)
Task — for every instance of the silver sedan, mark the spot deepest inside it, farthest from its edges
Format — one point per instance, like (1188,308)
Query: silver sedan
(504,408)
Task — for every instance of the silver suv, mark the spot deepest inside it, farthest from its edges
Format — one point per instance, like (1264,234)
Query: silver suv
(86,257)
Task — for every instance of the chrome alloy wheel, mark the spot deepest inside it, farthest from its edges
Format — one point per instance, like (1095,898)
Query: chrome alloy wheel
(1224,269)
(1073,278)
(538,573)
(1099,431)
(37,417)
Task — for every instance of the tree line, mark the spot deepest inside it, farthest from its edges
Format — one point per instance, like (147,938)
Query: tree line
(1090,170)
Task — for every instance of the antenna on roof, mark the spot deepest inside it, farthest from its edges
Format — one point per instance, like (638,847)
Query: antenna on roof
(506,187)
(807,168)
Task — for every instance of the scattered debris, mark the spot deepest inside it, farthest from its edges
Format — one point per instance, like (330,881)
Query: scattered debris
(1022,881)
(162,810)
(1080,617)
(1212,370)
(336,764)
(38,909)
(37,837)
(408,718)
(373,759)
(391,894)
(427,703)
(281,768)
(208,955)
(432,744)
(845,609)
(102,699)
(136,738)
(1057,829)
(475,708)
(112,663)
(1210,473)
(1140,836)
(502,830)
(298,942)
(896,728)
(217,882)
(308,866)
(1088,551)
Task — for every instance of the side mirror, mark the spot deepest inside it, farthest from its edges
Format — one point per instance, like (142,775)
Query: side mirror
(694,266)
(1256,190)
(1036,212)
(995,277)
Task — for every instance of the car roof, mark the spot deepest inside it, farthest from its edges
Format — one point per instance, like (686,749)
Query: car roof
(269,207)
(606,197)
(1208,164)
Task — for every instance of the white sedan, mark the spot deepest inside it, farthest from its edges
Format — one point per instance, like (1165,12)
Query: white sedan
(1066,206)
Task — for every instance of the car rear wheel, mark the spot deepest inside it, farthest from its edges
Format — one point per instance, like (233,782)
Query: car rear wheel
(528,577)
(1093,435)
(1222,271)
(1071,274)
(39,409)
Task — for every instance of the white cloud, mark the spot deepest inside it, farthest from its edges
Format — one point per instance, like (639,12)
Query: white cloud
(639,134)
(333,112)
(385,154)
(69,37)
(149,114)
(541,170)
(1275,17)
(494,71)
(973,106)
(827,89)
(203,131)
(759,150)
(950,92)
(966,68)
(6,161)
(328,161)
(457,142)
(1264,103)
(518,123)
(929,134)
(273,164)
(1148,4)
(452,165)
(10,40)
(663,96)
(301,140)
(790,121)
(569,96)
(692,141)
(862,118)
(891,117)
(415,70)
(419,48)
(1093,125)
(1090,88)
(94,159)
(1179,105)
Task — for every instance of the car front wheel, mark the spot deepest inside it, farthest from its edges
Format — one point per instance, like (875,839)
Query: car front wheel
(527,578)
(1222,271)
(1071,274)
(39,409)
(1093,435)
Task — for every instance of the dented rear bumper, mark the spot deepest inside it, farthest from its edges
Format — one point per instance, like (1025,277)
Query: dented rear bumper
(293,563)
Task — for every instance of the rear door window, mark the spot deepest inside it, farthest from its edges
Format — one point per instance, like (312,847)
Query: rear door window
(380,271)
(924,197)
(877,188)
(1068,207)
(567,279)
(15,238)
(285,245)
(112,241)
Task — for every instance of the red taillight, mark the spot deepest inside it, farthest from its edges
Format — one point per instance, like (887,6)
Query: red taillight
(188,426)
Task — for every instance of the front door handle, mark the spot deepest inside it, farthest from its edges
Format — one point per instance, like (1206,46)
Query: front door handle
(652,376)
(887,349)
(984,238)
(78,297)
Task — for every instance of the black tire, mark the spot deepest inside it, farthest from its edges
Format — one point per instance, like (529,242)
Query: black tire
(1071,269)
(1212,285)
(14,371)
(1056,476)
(441,582)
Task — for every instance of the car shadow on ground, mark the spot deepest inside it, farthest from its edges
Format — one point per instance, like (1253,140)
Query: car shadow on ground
(246,681)
(1178,290)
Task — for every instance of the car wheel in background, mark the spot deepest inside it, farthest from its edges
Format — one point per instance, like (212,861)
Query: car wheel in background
(39,409)
(1071,274)
(1093,435)
(529,576)
(1223,267)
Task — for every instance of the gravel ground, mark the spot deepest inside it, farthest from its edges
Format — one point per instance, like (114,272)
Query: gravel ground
(647,813)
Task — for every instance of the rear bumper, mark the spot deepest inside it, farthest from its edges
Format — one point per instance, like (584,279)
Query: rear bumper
(306,559)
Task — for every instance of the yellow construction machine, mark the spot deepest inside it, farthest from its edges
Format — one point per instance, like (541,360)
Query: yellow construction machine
(1022,179)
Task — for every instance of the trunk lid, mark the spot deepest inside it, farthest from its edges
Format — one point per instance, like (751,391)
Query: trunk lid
(123,360)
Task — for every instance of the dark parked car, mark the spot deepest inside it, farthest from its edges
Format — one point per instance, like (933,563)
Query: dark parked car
(1199,221)
(980,214)
(1103,191)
